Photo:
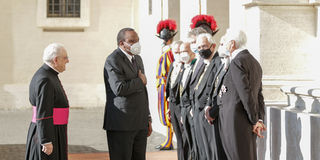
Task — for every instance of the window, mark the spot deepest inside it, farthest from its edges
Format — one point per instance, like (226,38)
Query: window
(64,15)
(63,8)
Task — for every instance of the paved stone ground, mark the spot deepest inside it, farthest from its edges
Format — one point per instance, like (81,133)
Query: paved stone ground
(85,133)
(163,155)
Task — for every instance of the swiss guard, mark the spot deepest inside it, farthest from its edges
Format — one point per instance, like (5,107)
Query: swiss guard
(166,30)
(206,22)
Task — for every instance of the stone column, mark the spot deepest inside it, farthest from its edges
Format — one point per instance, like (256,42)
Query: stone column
(316,4)
(174,13)
(188,9)
(220,10)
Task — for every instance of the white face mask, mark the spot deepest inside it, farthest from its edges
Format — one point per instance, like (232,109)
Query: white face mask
(176,57)
(184,57)
(194,48)
(222,50)
(135,48)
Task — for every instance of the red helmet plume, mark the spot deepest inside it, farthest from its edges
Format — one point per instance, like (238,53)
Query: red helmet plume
(204,19)
(169,24)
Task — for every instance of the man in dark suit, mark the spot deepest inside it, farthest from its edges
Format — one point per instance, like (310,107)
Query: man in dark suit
(240,100)
(172,87)
(206,132)
(189,59)
(127,116)
(212,109)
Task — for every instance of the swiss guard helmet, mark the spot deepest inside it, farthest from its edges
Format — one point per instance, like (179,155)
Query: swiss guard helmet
(166,29)
(206,22)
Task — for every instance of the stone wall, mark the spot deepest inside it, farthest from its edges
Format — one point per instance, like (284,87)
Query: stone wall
(22,42)
(282,35)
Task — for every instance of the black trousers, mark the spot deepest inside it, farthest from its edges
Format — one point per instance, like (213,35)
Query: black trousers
(127,145)
(211,138)
(182,146)
(198,136)
(189,131)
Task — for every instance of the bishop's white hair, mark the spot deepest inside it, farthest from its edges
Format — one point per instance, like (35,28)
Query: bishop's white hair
(237,35)
(206,35)
(51,51)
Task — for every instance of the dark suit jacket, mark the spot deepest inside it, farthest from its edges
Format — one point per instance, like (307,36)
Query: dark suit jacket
(212,100)
(205,86)
(185,93)
(244,86)
(127,105)
(241,105)
(194,78)
(172,92)
(207,132)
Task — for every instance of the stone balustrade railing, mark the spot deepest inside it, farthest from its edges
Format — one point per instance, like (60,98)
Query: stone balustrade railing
(304,98)
(293,127)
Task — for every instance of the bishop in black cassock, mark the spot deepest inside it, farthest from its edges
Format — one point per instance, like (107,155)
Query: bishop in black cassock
(50,109)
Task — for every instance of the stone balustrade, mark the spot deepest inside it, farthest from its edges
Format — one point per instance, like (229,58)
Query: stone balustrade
(303,99)
(293,127)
